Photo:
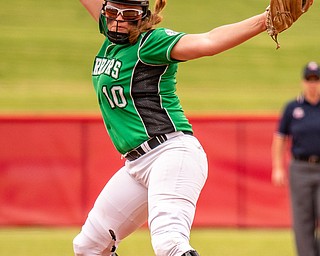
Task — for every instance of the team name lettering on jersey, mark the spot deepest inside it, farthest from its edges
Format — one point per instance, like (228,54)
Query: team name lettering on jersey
(110,67)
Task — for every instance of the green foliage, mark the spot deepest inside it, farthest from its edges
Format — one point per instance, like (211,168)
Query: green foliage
(47,48)
(208,242)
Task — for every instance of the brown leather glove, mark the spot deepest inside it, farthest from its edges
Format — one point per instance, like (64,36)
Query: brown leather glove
(281,14)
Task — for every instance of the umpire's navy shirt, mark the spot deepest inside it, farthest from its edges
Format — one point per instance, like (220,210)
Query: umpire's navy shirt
(301,121)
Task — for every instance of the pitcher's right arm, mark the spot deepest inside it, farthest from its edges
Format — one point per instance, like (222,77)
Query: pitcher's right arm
(93,7)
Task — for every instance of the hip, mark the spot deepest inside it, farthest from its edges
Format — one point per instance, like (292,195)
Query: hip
(179,154)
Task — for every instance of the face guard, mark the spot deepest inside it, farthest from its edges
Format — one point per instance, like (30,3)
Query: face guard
(130,15)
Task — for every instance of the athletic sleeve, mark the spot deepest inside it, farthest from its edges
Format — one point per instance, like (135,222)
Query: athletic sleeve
(285,121)
(156,48)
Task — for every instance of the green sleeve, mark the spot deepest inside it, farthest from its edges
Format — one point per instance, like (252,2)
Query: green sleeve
(156,47)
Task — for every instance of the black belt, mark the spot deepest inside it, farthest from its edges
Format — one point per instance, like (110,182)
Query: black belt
(310,159)
(152,143)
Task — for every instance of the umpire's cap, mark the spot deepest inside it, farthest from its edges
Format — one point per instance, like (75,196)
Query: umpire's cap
(311,70)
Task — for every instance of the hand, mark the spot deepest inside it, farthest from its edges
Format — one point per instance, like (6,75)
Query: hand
(279,177)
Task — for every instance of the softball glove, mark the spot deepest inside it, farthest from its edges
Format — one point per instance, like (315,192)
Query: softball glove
(281,14)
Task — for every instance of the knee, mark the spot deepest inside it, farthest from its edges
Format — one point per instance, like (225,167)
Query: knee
(83,246)
(170,244)
(103,244)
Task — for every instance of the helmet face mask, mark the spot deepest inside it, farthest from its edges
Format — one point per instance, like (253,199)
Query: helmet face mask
(115,36)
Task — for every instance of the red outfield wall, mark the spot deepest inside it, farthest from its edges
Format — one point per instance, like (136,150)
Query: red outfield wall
(52,169)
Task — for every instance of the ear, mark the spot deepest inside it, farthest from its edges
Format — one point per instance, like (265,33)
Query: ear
(148,14)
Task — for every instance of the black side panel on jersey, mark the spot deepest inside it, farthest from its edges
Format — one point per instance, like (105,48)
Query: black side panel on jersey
(145,94)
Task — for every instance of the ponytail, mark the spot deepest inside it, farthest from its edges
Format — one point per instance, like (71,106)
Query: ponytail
(159,6)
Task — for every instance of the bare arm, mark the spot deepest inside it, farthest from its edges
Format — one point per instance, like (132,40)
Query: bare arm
(222,38)
(278,152)
(93,7)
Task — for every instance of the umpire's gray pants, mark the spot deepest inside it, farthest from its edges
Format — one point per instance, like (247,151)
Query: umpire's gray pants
(305,201)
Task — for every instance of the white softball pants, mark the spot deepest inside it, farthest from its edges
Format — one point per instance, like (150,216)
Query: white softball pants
(162,186)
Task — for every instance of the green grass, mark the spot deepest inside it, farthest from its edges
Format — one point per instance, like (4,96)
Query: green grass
(47,48)
(209,242)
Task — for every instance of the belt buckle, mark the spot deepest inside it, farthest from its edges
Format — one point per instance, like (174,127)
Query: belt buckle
(133,154)
(313,159)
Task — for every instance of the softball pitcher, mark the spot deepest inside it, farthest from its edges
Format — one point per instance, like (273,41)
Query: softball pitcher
(134,76)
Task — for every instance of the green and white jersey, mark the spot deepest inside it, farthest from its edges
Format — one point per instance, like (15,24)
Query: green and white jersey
(136,89)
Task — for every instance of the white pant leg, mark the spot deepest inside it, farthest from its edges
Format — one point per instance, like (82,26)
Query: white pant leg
(176,180)
(121,206)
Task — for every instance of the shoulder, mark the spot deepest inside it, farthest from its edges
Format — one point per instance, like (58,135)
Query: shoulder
(297,102)
(160,37)
(163,33)
(156,45)
(294,109)
(289,107)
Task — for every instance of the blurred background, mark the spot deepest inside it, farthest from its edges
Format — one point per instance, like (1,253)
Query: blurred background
(53,159)
(47,49)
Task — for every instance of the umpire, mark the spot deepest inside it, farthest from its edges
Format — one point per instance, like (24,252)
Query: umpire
(300,125)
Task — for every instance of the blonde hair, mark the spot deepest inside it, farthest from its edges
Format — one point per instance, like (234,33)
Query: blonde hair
(149,22)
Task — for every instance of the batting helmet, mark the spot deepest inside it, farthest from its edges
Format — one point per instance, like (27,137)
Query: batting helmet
(115,36)
(143,3)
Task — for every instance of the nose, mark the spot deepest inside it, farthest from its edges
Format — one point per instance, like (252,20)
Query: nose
(119,16)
